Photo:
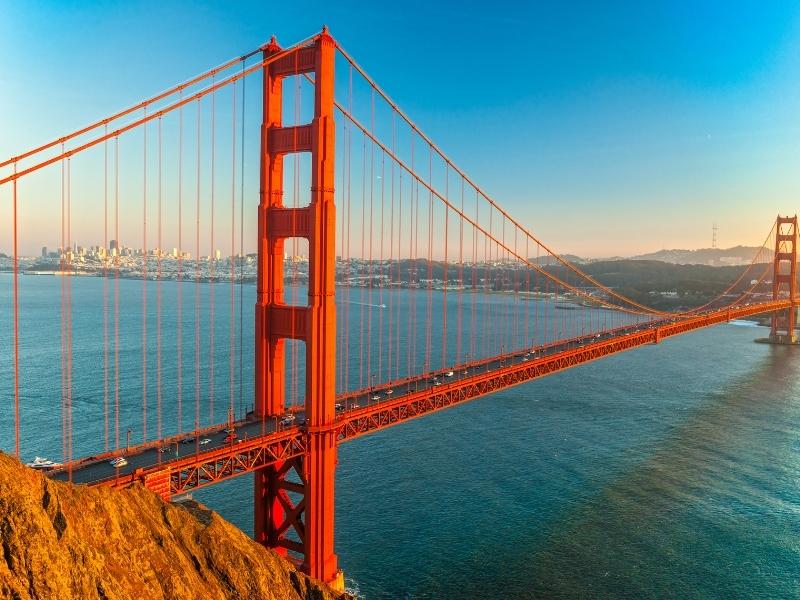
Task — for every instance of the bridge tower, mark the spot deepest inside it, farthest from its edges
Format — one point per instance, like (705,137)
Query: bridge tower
(294,500)
(784,279)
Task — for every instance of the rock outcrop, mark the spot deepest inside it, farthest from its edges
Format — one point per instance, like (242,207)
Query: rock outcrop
(70,542)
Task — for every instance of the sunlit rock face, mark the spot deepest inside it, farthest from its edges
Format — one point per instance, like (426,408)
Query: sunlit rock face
(66,542)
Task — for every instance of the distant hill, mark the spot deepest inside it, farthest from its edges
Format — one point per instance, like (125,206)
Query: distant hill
(549,260)
(716,257)
(713,257)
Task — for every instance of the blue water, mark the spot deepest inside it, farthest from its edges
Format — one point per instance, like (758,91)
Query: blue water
(672,471)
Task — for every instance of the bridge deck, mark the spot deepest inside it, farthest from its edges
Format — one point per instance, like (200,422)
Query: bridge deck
(177,466)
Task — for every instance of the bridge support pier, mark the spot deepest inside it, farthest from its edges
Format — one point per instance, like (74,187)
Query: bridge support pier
(294,500)
(784,280)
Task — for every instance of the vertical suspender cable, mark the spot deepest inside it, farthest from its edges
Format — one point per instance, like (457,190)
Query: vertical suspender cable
(398,275)
(197,286)
(369,264)
(349,159)
(489,299)
(413,232)
(429,320)
(460,308)
(392,294)
(470,351)
(362,257)
(526,342)
(340,348)
(62,271)
(16,319)
(444,273)
(212,261)
(179,316)
(144,284)
(69,318)
(105,295)
(159,391)
(381,297)
(241,247)
(116,256)
(232,316)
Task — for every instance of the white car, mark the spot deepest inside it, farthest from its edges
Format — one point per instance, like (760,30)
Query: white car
(448,374)
(205,441)
(389,392)
(375,397)
(118,462)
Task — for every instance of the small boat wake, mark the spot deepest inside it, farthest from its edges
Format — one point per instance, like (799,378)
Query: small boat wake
(743,323)
(364,304)
(351,587)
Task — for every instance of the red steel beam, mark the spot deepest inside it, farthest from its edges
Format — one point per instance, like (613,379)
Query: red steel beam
(372,418)
(207,468)
(203,469)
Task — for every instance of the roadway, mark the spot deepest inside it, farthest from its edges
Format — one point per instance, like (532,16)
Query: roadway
(96,469)
(205,449)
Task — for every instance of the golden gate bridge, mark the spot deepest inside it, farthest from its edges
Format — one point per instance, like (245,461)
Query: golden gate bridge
(355,202)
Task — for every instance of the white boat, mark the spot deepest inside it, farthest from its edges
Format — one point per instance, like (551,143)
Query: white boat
(42,463)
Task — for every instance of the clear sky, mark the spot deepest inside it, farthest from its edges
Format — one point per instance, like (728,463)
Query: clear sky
(608,128)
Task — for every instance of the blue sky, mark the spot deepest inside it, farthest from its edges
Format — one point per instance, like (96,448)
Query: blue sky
(607,128)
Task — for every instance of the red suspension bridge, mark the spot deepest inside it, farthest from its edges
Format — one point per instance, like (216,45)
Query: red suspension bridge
(421,293)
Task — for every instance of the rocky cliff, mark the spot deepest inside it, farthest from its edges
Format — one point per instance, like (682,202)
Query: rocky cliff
(69,542)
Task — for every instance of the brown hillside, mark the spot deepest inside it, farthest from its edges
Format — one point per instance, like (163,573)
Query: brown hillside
(67,542)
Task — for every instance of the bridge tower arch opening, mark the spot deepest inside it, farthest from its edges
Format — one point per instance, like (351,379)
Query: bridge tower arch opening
(784,280)
(294,500)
